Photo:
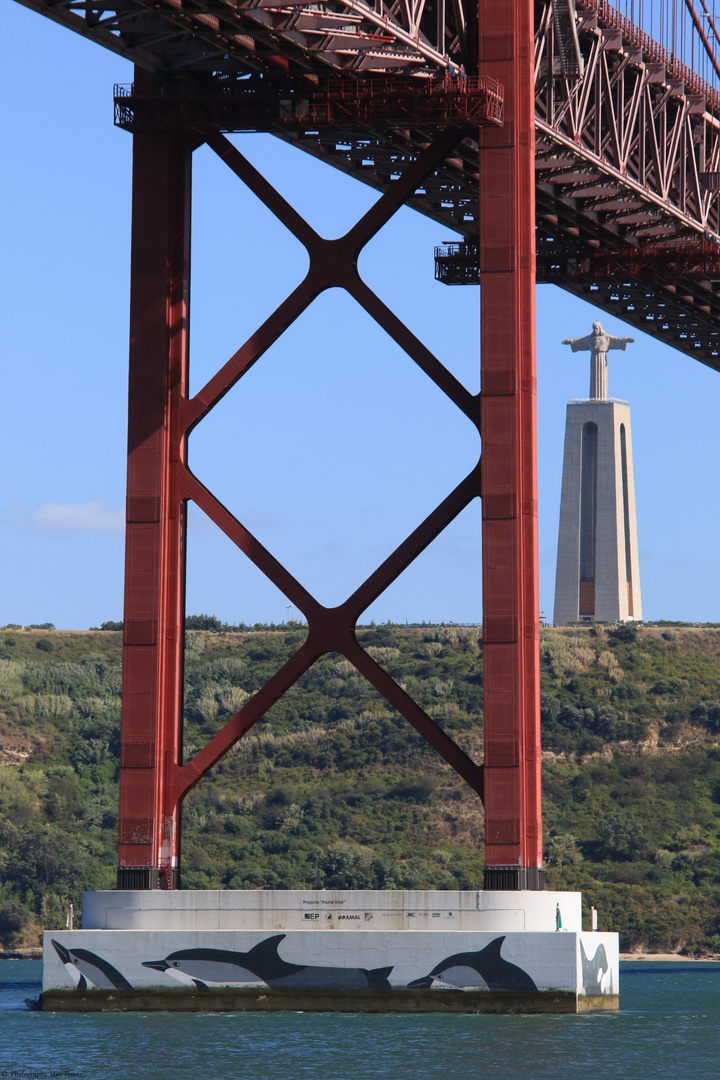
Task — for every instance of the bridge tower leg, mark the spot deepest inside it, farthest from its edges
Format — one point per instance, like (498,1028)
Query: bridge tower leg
(511,632)
(155,530)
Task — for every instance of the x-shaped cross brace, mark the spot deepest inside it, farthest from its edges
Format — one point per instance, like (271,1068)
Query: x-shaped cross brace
(333,263)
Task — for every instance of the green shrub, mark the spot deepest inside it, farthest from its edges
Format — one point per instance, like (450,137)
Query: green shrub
(707,713)
(13,917)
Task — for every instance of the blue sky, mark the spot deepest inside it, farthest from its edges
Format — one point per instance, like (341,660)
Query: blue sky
(334,446)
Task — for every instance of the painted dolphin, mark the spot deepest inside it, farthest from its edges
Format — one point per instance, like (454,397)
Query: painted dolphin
(93,969)
(485,968)
(263,965)
(594,970)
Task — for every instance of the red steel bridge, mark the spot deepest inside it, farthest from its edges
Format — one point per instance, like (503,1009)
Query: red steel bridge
(564,141)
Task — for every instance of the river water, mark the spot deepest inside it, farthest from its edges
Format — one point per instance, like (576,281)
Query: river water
(668,1026)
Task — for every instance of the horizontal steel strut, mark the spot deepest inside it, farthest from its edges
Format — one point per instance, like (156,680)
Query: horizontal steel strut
(364,104)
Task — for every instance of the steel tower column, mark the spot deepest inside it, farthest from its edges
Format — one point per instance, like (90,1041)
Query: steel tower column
(513,827)
(151,731)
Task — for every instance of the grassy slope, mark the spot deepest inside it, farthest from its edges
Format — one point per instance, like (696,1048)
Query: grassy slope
(331,782)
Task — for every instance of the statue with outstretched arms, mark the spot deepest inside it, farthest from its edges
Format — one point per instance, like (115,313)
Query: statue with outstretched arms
(598,345)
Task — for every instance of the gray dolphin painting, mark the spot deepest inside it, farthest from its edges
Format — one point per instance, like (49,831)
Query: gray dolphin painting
(477,970)
(93,969)
(262,965)
(594,970)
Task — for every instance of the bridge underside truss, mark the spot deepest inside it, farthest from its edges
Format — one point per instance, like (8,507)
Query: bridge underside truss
(627,137)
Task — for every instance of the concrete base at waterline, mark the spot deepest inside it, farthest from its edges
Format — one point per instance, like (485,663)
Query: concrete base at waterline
(361,1001)
(338,951)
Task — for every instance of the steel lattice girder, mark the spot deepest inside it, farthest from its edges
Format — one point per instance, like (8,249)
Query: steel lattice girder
(634,142)
(226,36)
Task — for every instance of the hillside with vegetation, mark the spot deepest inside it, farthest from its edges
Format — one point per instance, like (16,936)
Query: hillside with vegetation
(332,786)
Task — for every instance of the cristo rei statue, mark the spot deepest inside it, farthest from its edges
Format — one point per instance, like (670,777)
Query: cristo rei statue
(597,565)
(598,344)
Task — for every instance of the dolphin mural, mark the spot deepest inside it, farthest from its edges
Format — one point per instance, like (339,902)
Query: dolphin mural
(594,970)
(92,968)
(478,970)
(263,965)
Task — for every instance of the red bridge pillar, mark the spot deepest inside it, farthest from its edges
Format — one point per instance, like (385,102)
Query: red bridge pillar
(513,826)
(155,531)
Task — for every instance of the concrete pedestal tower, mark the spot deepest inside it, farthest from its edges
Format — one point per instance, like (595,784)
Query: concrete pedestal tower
(597,563)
